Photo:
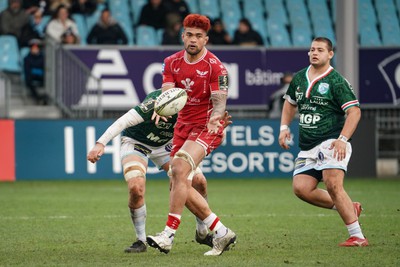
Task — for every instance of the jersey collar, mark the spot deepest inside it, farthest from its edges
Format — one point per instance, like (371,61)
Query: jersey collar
(311,83)
(185,56)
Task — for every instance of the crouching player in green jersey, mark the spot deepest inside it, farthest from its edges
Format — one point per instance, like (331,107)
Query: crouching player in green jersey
(329,114)
(141,140)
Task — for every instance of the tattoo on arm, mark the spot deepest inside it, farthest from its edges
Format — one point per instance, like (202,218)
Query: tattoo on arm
(219,104)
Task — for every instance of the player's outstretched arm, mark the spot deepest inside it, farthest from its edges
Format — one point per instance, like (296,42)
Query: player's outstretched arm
(130,118)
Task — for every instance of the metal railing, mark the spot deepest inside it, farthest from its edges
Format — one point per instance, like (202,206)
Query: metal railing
(5,92)
(67,80)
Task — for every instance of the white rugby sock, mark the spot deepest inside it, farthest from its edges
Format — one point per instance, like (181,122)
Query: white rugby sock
(215,225)
(355,230)
(138,217)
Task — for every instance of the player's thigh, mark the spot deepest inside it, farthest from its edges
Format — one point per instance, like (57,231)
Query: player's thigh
(304,183)
(333,179)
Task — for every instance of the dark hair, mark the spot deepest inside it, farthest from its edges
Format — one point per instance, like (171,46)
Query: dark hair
(246,22)
(324,40)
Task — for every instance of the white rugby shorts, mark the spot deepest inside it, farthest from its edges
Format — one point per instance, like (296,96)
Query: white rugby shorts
(320,158)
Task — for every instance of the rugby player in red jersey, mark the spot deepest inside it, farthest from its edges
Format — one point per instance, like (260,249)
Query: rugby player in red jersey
(198,130)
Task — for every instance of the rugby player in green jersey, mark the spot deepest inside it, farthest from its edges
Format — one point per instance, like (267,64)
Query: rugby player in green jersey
(141,140)
(328,116)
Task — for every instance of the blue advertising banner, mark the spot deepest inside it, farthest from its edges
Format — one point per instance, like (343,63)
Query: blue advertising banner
(250,149)
(380,76)
(128,75)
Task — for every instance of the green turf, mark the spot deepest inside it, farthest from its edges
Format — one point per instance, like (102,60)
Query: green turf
(86,223)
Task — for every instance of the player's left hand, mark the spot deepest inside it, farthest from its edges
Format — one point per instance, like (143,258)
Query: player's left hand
(158,117)
(214,124)
(339,151)
(226,120)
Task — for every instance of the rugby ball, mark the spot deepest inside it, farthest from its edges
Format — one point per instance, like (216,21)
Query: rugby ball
(170,102)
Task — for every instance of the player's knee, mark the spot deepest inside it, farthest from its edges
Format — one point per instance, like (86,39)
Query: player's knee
(179,167)
(134,170)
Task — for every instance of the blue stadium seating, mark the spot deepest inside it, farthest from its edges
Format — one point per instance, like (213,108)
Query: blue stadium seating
(193,6)
(9,54)
(136,7)
(301,36)
(210,8)
(369,36)
(82,27)
(3,5)
(146,36)
(94,17)
(231,15)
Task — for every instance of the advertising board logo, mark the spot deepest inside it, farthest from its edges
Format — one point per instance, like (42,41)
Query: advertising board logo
(390,69)
(117,91)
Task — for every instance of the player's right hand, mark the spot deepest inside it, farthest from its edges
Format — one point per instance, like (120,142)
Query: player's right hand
(284,138)
(96,153)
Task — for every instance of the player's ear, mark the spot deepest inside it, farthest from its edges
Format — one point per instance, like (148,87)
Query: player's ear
(331,54)
(206,39)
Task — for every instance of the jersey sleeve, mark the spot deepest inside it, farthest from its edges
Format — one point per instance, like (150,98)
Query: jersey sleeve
(146,108)
(345,95)
(219,82)
(167,77)
(290,94)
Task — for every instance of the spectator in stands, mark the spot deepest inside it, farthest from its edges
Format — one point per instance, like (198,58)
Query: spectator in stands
(107,31)
(55,4)
(276,100)
(84,7)
(34,29)
(177,6)
(34,71)
(13,19)
(60,23)
(153,14)
(31,6)
(218,35)
(245,35)
(69,37)
(172,34)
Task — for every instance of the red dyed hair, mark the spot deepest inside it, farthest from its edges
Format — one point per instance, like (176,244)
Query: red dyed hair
(197,21)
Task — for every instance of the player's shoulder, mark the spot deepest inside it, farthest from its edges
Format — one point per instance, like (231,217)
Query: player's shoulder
(212,58)
(176,55)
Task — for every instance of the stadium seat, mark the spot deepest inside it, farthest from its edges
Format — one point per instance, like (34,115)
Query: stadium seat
(193,6)
(390,32)
(231,19)
(210,8)
(369,36)
(23,53)
(94,17)
(301,36)
(128,30)
(82,27)
(9,54)
(277,12)
(136,7)
(160,33)
(3,5)
(279,36)
(146,36)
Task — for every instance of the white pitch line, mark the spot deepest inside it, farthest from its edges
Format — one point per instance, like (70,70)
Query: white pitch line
(65,217)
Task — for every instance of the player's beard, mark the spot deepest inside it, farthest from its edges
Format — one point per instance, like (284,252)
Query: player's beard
(192,52)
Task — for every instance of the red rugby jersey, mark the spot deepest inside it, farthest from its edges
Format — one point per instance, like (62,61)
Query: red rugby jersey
(200,79)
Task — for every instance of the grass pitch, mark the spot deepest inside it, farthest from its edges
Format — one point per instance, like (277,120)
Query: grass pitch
(87,223)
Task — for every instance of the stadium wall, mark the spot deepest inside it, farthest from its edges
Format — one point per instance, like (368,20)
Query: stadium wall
(57,149)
